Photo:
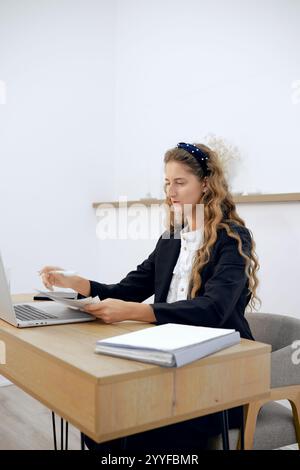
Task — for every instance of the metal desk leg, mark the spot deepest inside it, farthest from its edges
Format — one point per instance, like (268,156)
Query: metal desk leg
(54,431)
(243,430)
(61,433)
(225,430)
(82,441)
(67,436)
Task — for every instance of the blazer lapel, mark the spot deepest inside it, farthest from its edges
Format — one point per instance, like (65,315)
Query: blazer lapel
(165,264)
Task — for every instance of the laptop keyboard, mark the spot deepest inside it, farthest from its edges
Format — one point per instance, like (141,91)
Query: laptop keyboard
(27,312)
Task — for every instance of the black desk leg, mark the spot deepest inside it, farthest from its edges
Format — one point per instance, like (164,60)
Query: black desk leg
(82,441)
(54,431)
(61,433)
(67,436)
(225,430)
(243,430)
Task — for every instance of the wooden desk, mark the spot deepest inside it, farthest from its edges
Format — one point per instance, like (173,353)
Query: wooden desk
(108,397)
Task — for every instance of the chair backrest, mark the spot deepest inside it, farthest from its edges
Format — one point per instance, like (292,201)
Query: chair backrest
(277,330)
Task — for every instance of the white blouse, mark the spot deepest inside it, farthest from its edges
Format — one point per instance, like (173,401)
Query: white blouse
(190,243)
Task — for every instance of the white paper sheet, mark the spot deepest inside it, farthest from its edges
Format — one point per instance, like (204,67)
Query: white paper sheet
(76,303)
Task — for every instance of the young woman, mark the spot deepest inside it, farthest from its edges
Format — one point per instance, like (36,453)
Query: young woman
(201,272)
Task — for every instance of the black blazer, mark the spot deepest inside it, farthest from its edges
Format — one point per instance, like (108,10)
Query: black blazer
(223,296)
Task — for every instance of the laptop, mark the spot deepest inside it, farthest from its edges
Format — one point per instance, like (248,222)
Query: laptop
(24,315)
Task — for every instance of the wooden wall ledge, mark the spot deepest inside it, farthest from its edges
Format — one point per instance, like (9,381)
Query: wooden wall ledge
(240,199)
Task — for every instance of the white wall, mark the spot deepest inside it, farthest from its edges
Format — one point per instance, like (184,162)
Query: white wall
(276,231)
(188,68)
(56,130)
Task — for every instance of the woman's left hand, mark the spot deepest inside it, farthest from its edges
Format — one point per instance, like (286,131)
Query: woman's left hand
(110,310)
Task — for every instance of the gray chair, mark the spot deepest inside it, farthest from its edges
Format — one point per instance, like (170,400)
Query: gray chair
(268,424)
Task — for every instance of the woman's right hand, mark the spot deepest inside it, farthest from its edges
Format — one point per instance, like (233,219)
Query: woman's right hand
(51,279)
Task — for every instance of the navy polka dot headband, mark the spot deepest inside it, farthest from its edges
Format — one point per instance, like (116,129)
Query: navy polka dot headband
(200,156)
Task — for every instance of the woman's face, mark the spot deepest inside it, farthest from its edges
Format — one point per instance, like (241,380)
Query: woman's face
(182,187)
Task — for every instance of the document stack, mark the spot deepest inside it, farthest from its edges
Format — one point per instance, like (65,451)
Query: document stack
(169,345)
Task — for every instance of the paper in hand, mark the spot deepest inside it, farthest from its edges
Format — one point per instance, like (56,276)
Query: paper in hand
(73,303)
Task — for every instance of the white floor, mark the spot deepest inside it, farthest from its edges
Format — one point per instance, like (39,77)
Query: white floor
(26,424)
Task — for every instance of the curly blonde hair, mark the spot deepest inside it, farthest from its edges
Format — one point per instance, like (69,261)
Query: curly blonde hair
(219,213)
